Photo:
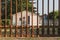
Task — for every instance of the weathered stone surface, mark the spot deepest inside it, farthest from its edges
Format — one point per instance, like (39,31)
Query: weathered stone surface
(36,38)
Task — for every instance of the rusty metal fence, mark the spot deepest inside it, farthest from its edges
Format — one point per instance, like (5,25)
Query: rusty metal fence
(8,30)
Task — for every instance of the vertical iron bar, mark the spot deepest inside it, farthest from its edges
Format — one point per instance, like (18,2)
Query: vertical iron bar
(59,14)
(5,16)
(11,18)
(53,12)
(16,20)
(32,22)
(53,17)
(26,18)
(21,18)
(48,17)
(42,16)
(0,16)
(0,13)
(37,20)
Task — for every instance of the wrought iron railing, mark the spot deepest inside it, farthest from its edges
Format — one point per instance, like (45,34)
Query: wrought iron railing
(8,30)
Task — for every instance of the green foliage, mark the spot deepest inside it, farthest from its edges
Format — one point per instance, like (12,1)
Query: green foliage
(53,15)
(14,6)
(7,23)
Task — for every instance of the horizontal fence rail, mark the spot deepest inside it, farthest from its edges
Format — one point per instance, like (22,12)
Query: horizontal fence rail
(20,18)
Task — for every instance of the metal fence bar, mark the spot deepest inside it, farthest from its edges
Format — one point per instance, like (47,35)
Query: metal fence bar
(53,12)
(26,18)
(59,16)
(32,22)
(5,17)
(42,16)
(48,17)
(0,16)
(53,16)
(16,20)
(21,19)
(59,11)
(11,18)
(37,20)
(0,13)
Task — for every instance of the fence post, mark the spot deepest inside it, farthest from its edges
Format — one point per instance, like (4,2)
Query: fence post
(21,19)
(32,22)
(11,18)
(0,17)
(26,18)
(37,20)
(5,17)
(42,17)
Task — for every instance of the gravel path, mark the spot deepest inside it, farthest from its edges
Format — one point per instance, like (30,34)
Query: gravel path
(40,38)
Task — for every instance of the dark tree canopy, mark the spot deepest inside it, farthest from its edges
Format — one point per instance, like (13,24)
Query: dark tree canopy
(14,6)
(55,15)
